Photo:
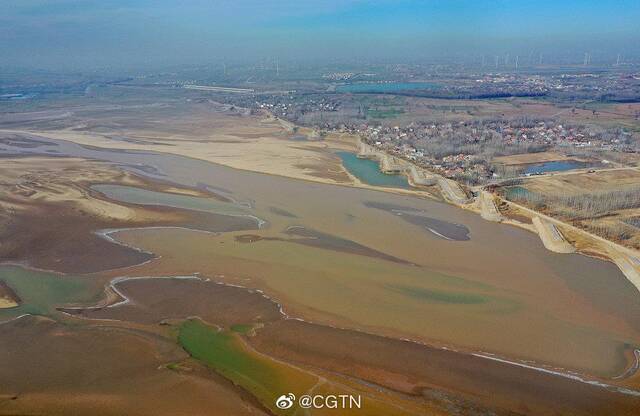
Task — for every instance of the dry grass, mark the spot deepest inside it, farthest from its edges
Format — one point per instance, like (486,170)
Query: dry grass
(525,158)
(577,183)
(604,203)
(586,205)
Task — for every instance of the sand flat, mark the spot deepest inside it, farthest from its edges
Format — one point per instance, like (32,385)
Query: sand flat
(384,297)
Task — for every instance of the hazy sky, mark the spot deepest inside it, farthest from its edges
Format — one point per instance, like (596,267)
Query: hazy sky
(120,33)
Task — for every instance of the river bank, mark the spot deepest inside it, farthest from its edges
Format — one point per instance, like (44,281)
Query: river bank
(404,224)
(487,205)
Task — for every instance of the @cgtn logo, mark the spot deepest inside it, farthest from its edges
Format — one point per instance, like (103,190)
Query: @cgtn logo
(285,401)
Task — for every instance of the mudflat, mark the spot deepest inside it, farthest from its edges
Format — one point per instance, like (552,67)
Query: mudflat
(429,372)
(152,300)
(113,372)
(187,256)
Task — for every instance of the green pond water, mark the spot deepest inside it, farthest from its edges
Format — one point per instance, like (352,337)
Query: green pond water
(41,292)
(496,304)
(368,172)
(222,352)
(515,193)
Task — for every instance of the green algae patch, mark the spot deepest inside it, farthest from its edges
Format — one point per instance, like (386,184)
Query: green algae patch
(242,328)
(41,292)
(493,304)
(225,352)
(441,296)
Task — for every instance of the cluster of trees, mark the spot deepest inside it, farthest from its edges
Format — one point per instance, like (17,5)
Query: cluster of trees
(612,231)
(633,221)
(601,203)
(582,206)
(484,139)
(486,147)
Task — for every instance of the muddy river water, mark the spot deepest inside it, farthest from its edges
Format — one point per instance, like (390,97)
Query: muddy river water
(443,276)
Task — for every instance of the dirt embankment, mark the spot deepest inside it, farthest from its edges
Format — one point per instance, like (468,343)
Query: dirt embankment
(550,234)
(629,265)
(560,237)
(388,164)
(551,237)
(450,189)
(488,209)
